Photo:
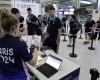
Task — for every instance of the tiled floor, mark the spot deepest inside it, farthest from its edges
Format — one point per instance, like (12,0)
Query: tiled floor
(87,59)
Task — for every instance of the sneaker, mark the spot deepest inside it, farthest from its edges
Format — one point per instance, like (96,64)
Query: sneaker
(69,45)
(86,42)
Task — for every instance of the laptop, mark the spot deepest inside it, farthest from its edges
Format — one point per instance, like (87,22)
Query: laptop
(50,67)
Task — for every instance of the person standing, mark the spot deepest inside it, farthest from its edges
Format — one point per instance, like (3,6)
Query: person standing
(39,27)
(45,19)
(89,26)
(32,22)
(53,30)
(16,12)
(97,34)
(74,28)
(13,51)
(64,19)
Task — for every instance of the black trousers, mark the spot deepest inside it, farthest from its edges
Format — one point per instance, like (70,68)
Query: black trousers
(51,44)
(95,35)
(31,31)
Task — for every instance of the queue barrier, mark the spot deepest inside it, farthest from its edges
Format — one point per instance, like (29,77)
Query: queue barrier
(82,33)
(94,74)
(90,48)
(73,47)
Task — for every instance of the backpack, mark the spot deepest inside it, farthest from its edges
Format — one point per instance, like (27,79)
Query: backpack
(77,25)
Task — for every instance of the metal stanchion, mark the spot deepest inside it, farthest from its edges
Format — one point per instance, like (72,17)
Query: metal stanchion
(64,32)
(94,74)
(73,48)
(91,47)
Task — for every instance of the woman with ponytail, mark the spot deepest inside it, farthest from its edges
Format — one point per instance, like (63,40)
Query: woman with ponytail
(13,51)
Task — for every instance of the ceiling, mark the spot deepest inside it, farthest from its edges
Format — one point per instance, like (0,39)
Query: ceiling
(48,1)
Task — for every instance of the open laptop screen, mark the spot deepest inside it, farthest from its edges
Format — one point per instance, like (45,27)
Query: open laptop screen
(53,61)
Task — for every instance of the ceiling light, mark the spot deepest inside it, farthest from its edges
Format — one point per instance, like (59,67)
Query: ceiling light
(85,2)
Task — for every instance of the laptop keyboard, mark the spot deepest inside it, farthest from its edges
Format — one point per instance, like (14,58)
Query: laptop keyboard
(47,70)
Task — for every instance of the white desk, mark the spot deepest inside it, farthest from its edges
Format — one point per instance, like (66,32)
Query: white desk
(66,68)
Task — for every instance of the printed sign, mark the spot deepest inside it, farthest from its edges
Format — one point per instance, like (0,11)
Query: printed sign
(22,6)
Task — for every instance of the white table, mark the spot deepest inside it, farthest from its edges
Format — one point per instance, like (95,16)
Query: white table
(67,71)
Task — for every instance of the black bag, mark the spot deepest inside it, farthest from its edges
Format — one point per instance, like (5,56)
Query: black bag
(77,25)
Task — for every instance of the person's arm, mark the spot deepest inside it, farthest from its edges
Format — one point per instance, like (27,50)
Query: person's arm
(35,23)
(34,59)
(34,20)
(94,25)
(86,24)
(28,20)
(26,54)
(58,36)
(59,25)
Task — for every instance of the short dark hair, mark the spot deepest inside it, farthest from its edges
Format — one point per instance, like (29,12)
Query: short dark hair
(29,9)
(49,7)
(39,15)
(73,16)
(21,19)
(14,11)
(90,15)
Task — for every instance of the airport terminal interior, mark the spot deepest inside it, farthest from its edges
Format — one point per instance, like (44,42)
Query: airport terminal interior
(49,39)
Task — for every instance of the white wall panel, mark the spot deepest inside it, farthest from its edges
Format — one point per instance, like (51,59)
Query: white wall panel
(22,6)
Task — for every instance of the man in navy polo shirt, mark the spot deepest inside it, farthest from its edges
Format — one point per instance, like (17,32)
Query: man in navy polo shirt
(32,22)
(13,51)
(89,26)
(53,30)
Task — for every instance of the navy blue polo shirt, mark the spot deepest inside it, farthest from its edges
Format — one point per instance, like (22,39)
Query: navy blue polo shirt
(13,54)
(32,27)
(54,23)
(89,24)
